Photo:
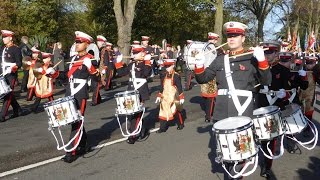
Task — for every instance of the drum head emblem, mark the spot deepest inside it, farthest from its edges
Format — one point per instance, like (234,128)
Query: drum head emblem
(242,143)
(128,103)
(60,113)
(271,125)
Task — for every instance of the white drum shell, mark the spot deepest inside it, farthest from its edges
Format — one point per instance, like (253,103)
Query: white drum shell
(62,111)
(268,123)
(4,87)
(235,144)
(128,102)
(294,119)
(199,47)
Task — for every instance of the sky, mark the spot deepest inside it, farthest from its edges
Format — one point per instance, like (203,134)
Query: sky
(272,26)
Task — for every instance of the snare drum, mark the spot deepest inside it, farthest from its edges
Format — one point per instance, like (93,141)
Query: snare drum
(294,119)
(4,87)
(268,123)
(62,111)
(235,140)
(197,47)
(128,102)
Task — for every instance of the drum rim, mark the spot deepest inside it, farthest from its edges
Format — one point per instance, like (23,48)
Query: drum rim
(284,116)
(206,44)
(230,131)
(54,102)
(140,110)
(131,92)
(269,113)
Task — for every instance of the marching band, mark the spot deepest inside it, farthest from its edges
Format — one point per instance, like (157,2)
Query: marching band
(254,98)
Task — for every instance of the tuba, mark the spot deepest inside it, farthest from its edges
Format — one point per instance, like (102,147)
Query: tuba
(94,50)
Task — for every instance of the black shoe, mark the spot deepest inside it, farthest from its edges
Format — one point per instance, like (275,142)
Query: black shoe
(207,120)
(69,158)
(2,119)
(13,116)
(160,131)
(81,151)
(145,134)
(131,140)
(265,172)
(180,127)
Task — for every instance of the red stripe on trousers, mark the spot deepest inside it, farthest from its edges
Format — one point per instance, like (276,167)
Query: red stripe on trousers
(30,93)
(82,108)
(97,93)
(10,97)
(211,106)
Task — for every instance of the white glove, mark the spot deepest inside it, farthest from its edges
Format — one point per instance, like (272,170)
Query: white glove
(302,72)
(8,70)
(200,59)
(103,71)
(119,58)
(258,53)
(181,101)
(29,63)
(281,93)
(147,57)
(158,100)
(39,70)
(50,70)
(87,62)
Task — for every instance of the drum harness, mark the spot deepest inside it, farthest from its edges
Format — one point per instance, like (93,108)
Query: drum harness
(234,93)
(5,65)
(81,82)
(137,82)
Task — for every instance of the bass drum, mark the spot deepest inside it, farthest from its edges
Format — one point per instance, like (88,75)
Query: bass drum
(196,47)
(94,50)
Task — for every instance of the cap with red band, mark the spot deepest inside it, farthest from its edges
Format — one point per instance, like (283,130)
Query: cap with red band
(81,36)
(233,27)
(7,33)
(212,36)
(101,38)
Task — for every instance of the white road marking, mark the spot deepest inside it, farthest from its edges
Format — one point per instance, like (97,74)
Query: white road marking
(24,168)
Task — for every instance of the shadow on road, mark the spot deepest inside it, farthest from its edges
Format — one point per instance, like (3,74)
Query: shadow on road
(312,171)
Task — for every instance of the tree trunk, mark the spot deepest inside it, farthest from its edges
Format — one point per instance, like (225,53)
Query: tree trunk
(218,22)
(260,29)
(124,22)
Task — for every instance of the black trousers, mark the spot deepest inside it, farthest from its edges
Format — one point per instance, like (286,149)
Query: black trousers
(267,163)
(10,99)
(188,77)
(37,102)
(25,80)
(209,106)
(134,121)
(95,86)
(164,125)
(75,127)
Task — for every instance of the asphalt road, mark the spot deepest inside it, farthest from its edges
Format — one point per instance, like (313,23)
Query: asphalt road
(186,154)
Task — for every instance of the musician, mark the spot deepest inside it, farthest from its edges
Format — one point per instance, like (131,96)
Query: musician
(96,80)
(10,62)
(188,74)
(169,53)
(78,74)
(307,96)
(31,78)
(156,51)
(149,50)
(209,90)
(282,81)
(138,70)
(170,97)
(108,65)
(26,55)
(245,72)
(262,100)
(44,84)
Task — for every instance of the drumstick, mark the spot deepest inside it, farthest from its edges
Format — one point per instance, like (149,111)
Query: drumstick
(79,61)
(132,57)
(247,53)
(57,64)
(257,85)
(298,71)
(215,48)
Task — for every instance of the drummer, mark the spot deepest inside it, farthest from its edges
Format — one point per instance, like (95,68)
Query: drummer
(139,69)
(262,100)
(284,81)
(44,84)
(78,74)
(170,97)
(31,78)
(244,72)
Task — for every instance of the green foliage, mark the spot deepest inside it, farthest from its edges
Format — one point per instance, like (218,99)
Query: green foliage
(40,40)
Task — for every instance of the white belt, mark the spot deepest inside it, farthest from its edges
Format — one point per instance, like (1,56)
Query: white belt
(238,92)
(77,80)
